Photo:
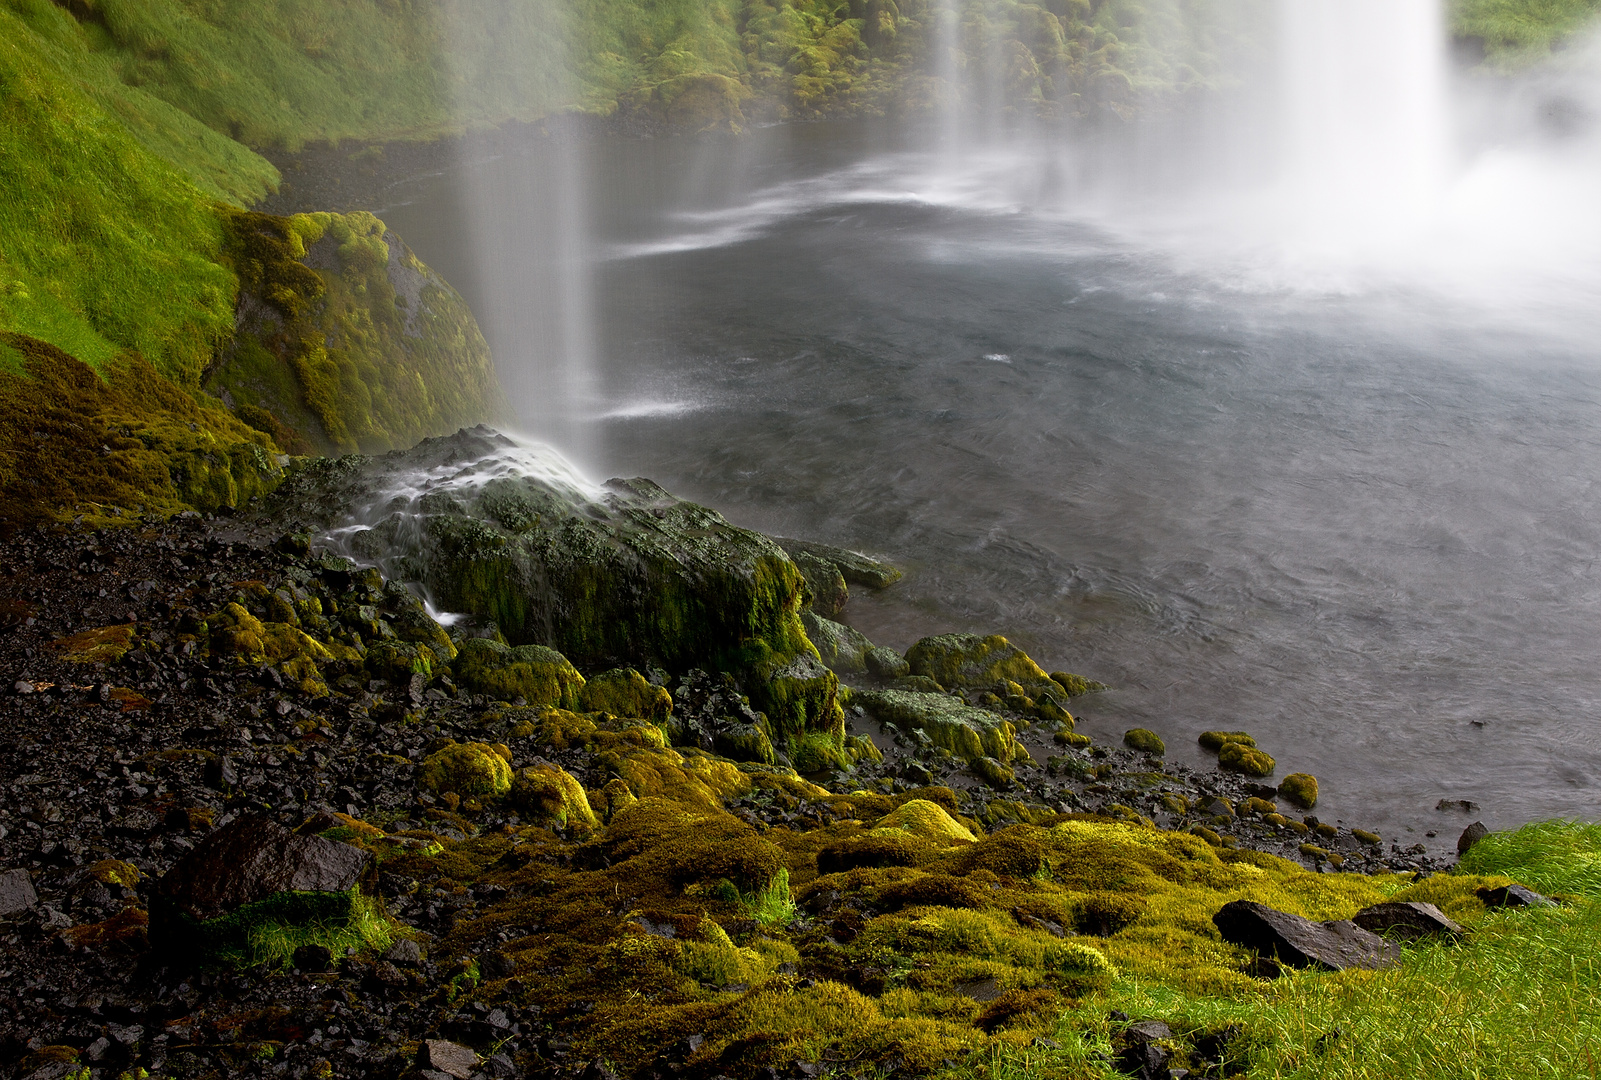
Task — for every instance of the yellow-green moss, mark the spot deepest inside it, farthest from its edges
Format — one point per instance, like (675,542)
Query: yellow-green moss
(548,794)
(466,769)
(625,692)
(1238,757)
(1300,789)
(539,675)
(1145,741)
(926,820)
(1216,740)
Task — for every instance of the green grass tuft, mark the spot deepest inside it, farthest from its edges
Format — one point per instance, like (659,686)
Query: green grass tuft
(1556,857)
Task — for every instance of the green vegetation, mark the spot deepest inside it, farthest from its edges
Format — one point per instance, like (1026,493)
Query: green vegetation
(1517,33)
(1561,858)
(269,931)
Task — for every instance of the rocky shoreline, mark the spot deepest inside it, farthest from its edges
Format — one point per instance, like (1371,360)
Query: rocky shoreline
(534,862)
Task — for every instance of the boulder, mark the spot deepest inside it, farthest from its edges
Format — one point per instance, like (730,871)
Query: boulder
(253,872)
(625,692)
(16,893)
(843,649)
(965,660)
(1237,757)
(1470,836)
(538,675)
(969,733)
(853,566)
(824,582)
(1409,920)
(886,663)
(1514,896)
(618,573)
(1300,942)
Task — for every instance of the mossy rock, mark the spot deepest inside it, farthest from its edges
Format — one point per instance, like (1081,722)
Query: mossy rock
(685,847)
(625,692)
(549,795)
(1300,789)
(995,773)
(1076,685)
(842,649)
(852,566)
(968,733)
(824,583)
(398,661)
(927,820)
(750,742)
(538,675)
(916,684)
(622,573)
(886,663)
(468,769)
(1145,741)
(878,848)
(1216,740)
(968,660)
(1237,757)
(817,752)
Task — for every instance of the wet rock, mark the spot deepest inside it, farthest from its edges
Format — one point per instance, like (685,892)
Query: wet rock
(1301,942)
(1464,805)
(824,581)
(1409,920)
(247,861)
(1514,896)
(842,648)
(969,733)
(16,893)
(886,663)
(1470,836)
(968,660)
(444,1056)
(313,958)
(1143,1056)
(853,566)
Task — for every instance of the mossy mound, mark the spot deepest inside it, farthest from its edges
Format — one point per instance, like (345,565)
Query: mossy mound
(473,770)
(625,692)
(538,675)
(549,795)
(1300,789)
(1237,757)
(970,734)
(1145,741)
(927,820)
(968,660)
(112,445)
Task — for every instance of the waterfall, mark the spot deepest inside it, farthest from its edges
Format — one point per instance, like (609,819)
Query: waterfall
(1365,125)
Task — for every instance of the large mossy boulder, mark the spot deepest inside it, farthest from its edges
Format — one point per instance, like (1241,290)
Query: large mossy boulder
(969,733)
(843,649)
(625,692)
(622,573)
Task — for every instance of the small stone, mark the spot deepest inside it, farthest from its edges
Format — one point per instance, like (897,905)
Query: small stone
(1409,920)
(1464,805)
(1470,836)
(449,1058)
(16,892)
(220,773)
(1514,896)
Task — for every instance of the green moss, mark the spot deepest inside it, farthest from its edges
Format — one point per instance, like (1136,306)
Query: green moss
(1145,741)
(1216,740)
(1076,685)
(1518,33)
(625,692)
(549,795)
(534,673)
(968,660)
(1238,757)
(1300,789)
(467,769)
(927,820)
(971,734)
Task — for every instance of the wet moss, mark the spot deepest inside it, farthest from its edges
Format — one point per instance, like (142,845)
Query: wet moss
(1145,741)
(968,660)
(625,692)
(970,734)
(1300,789)
(1076,685)
(537,674)
(1216,740)
(1237,757)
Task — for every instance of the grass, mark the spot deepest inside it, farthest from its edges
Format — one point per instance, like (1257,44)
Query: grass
(1559,858)
(268,932)
(1517,33)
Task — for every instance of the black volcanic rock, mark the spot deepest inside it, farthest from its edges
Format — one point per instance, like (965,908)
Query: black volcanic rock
(1406,919)
(1300,942)
(254,858)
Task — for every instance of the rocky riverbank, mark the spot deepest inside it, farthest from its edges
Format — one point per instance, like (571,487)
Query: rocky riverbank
(737,860)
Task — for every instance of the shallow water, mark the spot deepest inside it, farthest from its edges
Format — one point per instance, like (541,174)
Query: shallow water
(1356,517)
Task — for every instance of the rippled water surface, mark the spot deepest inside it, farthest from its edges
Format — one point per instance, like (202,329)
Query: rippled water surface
(1360,521)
